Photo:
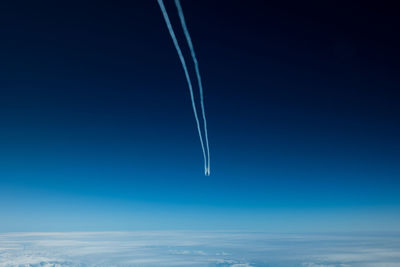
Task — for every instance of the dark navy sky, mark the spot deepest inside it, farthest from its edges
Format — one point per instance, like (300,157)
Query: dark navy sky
(97,131)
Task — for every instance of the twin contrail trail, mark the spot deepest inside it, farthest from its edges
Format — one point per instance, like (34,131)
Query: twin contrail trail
(206,151)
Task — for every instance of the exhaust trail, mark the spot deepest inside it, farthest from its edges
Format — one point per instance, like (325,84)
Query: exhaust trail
(196,65)
(183,62)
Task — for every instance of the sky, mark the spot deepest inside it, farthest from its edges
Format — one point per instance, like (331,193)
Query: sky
(97,131)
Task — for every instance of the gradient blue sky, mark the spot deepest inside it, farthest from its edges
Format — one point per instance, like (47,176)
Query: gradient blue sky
(97,131)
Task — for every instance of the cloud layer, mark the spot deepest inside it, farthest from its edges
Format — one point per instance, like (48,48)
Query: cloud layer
(187,248)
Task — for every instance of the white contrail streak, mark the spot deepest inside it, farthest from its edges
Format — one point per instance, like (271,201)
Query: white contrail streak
(182,59)
(196,65)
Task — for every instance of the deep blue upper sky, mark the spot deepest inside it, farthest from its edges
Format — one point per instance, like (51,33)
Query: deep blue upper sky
(96,125)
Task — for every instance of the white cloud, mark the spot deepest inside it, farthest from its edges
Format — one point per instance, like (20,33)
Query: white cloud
(187,248)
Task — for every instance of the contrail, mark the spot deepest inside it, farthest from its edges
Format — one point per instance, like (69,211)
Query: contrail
(182,59)
(196,65)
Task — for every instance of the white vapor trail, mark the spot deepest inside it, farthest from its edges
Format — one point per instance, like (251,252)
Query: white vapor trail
(183,62)
(196,65)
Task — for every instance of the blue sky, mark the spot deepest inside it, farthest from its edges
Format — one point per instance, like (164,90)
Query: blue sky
(97,131)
